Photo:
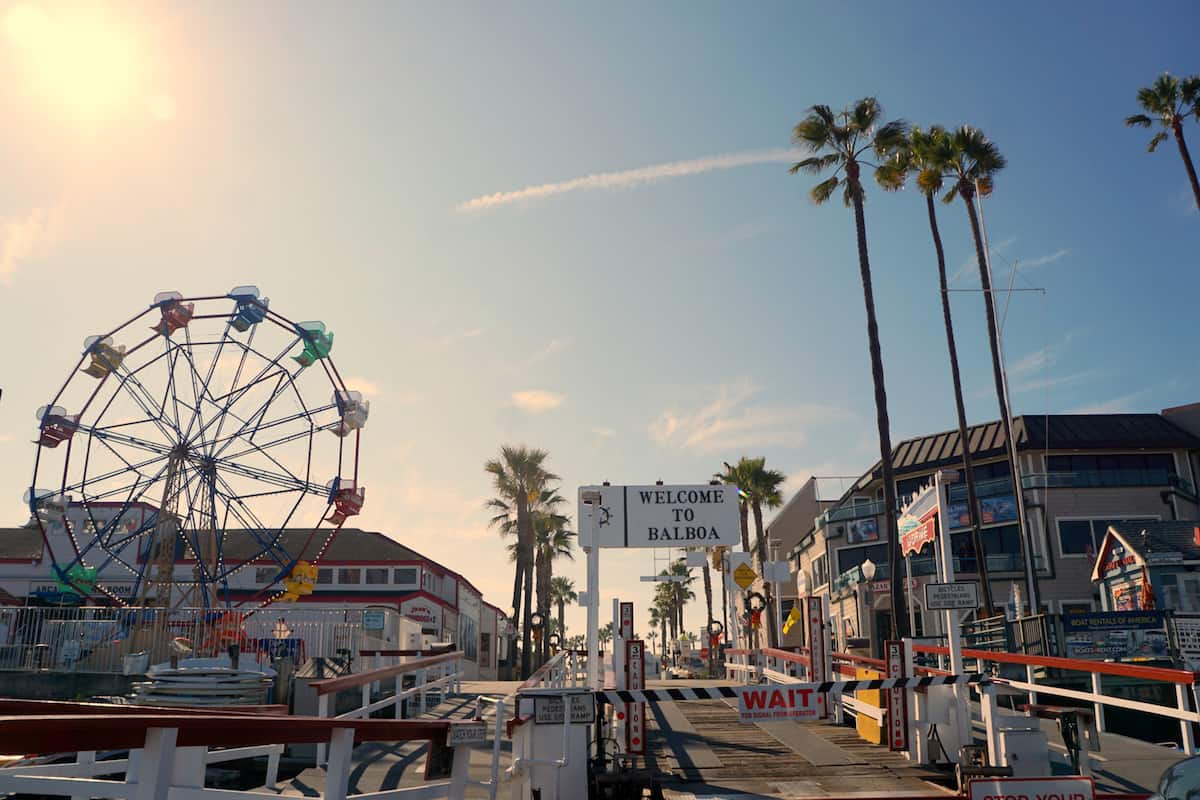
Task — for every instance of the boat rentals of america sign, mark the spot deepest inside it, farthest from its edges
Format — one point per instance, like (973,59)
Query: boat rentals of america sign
(660,516)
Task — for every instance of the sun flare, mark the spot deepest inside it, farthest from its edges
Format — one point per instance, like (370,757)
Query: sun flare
(81,59)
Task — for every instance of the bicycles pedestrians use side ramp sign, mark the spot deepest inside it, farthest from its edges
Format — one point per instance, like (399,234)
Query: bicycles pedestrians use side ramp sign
(703,515)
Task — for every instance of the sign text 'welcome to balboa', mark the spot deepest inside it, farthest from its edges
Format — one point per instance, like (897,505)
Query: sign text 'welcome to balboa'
(661,516)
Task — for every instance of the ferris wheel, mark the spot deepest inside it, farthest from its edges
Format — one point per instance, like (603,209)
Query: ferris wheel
(203,453)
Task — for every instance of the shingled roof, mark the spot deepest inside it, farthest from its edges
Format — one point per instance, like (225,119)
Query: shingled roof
(1161,537)
(1044,432)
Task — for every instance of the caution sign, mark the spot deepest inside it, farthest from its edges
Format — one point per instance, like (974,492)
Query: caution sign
(897,706)
(635,724)
(744,576)
(757,704)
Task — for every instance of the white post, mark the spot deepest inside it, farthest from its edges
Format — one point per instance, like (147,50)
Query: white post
(273,768)
(962,694)
(1033,696)
(912,609)
(989,714)
(85,757)
(399,700)
(154,767)
(594,674)
(1098,707)
(1185,726)
(421,691)
(322,711)
(337,773)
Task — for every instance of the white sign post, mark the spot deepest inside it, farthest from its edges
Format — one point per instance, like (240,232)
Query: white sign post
(664,516)
(951,596)
(702,515)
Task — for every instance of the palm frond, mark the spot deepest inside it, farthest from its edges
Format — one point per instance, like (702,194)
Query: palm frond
(1138,121)
(951,194)
(812,132)
(929,180)
(864,115)
(892,175)
(815,165)
(824,190)
(891,137)
(1156,141)
(1189,91)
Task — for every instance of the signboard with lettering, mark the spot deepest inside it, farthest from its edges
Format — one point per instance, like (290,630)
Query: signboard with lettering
(635,727)
(373,619)
(897,699)
(862,530)
(661,516)
(1000,508)
(1117,635)
(466,732)
(818,640)
(549,710)
(949,596)
(1064,788)
(626,631)
(919,535)
(759,703)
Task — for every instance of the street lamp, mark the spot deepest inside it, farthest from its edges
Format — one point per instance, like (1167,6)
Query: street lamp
(868,570)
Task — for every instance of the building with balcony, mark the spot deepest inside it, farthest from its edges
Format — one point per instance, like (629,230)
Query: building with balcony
(1080,473)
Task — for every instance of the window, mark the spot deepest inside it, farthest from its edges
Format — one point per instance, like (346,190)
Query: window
(851,557)
(1169,585)
(265,574)
(820,571)
(1002,545)
(1082,537)
(404,576)
(349,576)
(1123,469)
(376,575)
(485,649)
(325,575)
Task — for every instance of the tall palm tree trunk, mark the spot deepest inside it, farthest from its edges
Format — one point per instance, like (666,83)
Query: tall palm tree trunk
(518,578)
(724,596)
(967,190)
(562,625)
(744,513)
(708,601)
(896,573)
(542,588)
(760,543)
(1177,127)
(964,439)
(527,604)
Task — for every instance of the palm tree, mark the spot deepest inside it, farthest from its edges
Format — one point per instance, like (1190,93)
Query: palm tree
(658,620)
(708,594)
(562,591)
(679,590)
(606,634)
(763,490)
(925,155)
(552,541)
(1170,101)
(736,476)
(519,478)
(840,142)
(972,161)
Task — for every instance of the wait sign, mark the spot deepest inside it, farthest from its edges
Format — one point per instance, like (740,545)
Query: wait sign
(756,704)
(704,515)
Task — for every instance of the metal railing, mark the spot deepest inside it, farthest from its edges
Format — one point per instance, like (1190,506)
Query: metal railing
(438,674)
(129,640)
(852,511)
(1090,479)
(1183,711)
(169,754)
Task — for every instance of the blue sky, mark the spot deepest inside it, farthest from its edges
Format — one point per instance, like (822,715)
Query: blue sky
(638,325)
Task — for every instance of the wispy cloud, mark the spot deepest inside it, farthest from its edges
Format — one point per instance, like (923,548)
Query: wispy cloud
(604,433)
(1117,405)
(629,178)
(26,237)
(970,264)
(730,422)
(553,347)
(369,389)
(460,336)
(1041,261)
(5,437)
(535,401)
(1184,200)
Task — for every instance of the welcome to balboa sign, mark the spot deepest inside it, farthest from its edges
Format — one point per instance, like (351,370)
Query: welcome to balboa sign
(660,516)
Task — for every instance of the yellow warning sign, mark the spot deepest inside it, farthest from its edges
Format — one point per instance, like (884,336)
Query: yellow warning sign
(744,576)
